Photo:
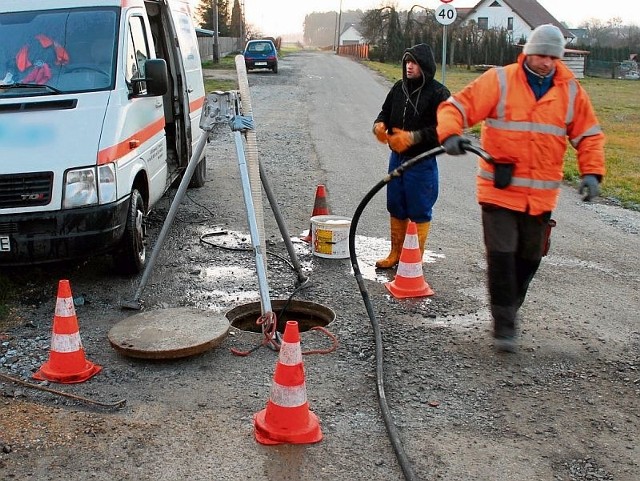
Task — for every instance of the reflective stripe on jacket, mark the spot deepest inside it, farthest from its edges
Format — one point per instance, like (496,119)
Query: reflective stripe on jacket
(531,134)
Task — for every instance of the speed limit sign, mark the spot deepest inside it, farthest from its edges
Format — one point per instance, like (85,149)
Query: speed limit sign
(446,14)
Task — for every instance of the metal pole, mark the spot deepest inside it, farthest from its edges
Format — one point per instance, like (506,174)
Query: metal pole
(339,27)
(444,53)
(263,285)
(184,183)
(282,226)
(216,45)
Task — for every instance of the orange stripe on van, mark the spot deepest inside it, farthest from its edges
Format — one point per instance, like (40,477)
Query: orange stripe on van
(132,3)
(196,104)
(115,152)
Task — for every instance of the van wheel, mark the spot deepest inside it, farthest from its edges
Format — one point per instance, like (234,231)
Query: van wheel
(132,256)
(199,176)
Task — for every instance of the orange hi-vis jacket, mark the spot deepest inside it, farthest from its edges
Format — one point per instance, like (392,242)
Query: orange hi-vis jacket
(530,133)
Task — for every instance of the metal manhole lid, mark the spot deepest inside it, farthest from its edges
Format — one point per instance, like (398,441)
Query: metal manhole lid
(168,333)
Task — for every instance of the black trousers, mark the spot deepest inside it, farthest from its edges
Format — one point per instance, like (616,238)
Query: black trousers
(514,243)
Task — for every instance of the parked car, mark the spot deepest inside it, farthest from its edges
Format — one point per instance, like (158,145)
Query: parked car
(261,54)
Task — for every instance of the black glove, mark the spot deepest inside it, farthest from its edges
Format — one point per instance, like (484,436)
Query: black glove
(454,145)
(590,186)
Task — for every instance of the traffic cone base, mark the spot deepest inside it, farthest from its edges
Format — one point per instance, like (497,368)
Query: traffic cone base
(47,373)
(287,418)
(67,363)
(269,431)
(409,280)
(320,207)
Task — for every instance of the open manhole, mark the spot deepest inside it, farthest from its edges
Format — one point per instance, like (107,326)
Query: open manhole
(307,314)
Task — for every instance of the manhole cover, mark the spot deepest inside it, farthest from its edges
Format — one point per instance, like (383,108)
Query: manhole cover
(168,333)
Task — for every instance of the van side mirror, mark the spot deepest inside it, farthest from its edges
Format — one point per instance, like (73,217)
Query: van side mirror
(156,79)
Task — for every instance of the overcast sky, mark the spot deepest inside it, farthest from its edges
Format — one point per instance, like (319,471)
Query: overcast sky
(279,17)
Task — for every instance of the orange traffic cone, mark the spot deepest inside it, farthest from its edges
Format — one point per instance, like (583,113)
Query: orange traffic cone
(409,281)
(66,363)
(320,207)
(287,418)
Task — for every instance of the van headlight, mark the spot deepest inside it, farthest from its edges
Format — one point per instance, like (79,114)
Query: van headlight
(89,186)
(107,183)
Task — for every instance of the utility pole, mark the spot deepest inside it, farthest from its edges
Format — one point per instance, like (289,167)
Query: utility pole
(242,29)
(216,45)
(339,26)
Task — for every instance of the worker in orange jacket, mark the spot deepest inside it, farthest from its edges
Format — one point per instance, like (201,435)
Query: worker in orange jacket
(529,109)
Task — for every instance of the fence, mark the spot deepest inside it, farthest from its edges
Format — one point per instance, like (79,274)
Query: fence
(614,70)
(358,51)
(226,46)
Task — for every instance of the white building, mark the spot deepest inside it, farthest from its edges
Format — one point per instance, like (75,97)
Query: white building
(519,17)
(350,35)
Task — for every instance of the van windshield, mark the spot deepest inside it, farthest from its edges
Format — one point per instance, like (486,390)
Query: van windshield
(62,50)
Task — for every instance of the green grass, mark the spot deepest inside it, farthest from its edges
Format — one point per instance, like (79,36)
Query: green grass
(225,63)
(211,85)
(617,105)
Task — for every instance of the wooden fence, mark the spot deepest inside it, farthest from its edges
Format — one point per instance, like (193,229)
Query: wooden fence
(358,51)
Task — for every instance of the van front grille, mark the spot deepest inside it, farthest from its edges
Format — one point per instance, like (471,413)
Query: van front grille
(25,190)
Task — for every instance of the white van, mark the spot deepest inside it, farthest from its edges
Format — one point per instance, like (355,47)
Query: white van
(100,104)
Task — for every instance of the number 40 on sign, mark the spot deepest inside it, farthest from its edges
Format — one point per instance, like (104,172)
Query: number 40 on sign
(446,14)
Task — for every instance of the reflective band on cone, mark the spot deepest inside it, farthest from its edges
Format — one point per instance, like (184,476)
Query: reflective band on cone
(287,418)
(67,363)
(409,280)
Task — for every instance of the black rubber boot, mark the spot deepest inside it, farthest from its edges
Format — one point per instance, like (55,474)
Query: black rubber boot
(503,292)
(525,270)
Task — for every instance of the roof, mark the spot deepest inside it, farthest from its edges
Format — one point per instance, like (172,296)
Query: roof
(531,12)
(347,26)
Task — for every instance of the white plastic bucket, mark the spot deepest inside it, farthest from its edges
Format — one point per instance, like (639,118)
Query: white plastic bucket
(330,236)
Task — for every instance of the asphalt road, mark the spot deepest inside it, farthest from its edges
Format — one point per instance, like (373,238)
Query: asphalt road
(565,407)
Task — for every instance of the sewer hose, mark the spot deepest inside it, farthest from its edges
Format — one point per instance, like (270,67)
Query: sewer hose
(392,431)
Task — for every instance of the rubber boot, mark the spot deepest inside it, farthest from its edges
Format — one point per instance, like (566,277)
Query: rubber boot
(398,230)
(525,270)
(503,293)
(423,234)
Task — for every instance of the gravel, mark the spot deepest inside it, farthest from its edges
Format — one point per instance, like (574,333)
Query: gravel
(565,407)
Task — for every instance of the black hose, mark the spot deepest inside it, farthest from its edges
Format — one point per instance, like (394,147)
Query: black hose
(392,431)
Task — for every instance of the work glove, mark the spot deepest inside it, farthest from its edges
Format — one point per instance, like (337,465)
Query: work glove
(454,145)
(590,186)
(400,140)
(380,131)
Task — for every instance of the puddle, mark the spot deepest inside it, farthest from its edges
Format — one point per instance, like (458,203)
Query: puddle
(368,250)
(229,272)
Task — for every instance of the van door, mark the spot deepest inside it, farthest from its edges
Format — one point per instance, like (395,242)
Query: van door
(144,115)
(175,42)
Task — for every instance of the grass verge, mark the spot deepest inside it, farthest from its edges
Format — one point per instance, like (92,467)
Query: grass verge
(617,105)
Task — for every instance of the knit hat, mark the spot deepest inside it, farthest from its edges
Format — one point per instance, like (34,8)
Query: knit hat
(545,40)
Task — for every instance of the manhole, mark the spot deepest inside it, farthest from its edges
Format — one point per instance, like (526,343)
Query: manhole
(307,314)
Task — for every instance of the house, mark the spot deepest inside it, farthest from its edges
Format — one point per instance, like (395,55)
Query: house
(518,17)
(350,35)
(581,36)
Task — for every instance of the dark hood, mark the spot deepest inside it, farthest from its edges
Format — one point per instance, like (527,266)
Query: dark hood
(423,55)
